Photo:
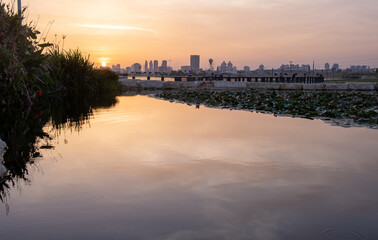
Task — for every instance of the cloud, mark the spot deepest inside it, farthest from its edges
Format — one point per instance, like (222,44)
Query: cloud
(115,27)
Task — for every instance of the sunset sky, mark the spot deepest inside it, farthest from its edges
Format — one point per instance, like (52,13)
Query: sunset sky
(246,32)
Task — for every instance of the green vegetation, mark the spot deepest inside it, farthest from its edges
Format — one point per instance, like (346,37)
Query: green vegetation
(41,85)
(357,107)
(74,75)
(31,71)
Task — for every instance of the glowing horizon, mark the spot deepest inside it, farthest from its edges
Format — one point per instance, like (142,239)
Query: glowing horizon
(246,32)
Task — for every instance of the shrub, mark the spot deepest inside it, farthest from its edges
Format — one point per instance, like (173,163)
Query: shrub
(76,77)
(22,68)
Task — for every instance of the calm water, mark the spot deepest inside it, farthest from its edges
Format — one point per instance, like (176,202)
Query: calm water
(151,169)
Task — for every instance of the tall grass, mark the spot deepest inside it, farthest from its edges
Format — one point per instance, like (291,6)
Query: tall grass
(75,75)
(29,69)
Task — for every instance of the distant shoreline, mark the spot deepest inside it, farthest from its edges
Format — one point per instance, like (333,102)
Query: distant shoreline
(139,85)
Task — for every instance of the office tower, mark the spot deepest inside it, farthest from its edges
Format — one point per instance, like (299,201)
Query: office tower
(137,68)
(151,67)
(146,66)
(156,66)
(195,63)
(164,66)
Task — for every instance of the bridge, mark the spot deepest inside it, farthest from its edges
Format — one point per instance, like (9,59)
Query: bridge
(262,79)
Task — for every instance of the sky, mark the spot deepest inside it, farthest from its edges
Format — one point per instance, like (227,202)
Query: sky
(246,32)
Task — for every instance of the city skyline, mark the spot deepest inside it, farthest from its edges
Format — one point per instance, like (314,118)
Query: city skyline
(229,68)
(248,32)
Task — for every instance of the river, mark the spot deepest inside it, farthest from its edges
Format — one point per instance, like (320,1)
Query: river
(152,169)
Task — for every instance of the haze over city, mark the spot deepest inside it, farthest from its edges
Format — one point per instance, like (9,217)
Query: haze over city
(247,32)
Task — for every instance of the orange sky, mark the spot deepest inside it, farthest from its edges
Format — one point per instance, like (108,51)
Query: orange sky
(247,32)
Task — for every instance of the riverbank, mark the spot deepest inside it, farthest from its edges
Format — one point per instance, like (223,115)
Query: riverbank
(34,72)
(343,108)
(139,85)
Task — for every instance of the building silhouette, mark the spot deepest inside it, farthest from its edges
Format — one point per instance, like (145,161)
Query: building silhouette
(151,68)
(164,66)
(156,66)
(195,63)
(146,66)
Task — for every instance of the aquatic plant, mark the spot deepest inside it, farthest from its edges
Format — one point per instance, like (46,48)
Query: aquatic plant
(358,107)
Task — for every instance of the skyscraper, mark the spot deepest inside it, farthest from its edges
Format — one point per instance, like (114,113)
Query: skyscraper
(146,66)
(156,66)
(151,67)
(164,66)
(195,63)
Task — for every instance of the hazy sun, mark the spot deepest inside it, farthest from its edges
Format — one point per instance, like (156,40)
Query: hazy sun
(103,64)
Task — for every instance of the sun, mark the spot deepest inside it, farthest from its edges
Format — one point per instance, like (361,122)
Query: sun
(103,64)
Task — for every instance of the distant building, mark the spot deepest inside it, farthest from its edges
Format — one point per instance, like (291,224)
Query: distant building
(156,66)
(327,67)
(164,66)
(146,66)
(247,69)
(222,67)
(195,63)
(116,68)
(305,68)
(360,69)
(136,68)
(151,68)
(186,69)
(261,69)
(227,68)
(335,67)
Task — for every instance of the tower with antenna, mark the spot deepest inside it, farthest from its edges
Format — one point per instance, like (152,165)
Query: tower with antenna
(211,61)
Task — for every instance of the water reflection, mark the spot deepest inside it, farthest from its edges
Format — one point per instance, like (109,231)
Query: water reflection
(27,133)
(150,169)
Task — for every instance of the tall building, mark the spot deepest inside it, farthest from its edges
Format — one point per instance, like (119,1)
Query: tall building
(326,67)
(146,66)
(156,66)
(136,67)
(151,67)
(195,63)
(164,66)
